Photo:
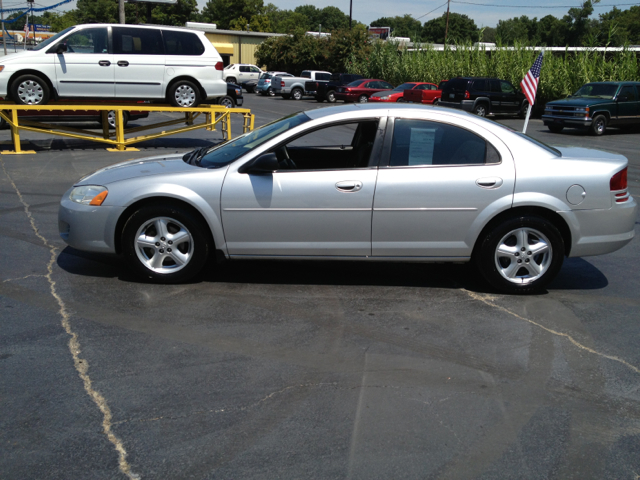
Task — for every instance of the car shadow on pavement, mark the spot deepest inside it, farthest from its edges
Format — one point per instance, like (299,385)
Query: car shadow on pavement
(576,273)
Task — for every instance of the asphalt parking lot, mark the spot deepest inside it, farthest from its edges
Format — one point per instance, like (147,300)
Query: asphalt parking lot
(304,370)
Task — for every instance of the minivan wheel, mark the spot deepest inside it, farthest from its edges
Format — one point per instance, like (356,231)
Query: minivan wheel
(481,110)
(184,93)
(30,90)
(521,254)
(598,126)
(165,243)
(296,94)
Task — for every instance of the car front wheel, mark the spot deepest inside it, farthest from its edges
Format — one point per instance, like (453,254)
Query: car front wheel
(598,126)
(520,255)
(231,79)
(296,94)
(111,119)
(555,128)
(184,93)
(165,243)
(227,102)
(30,90)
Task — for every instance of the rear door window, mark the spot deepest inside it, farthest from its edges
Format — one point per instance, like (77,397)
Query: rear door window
(181,43)
(137,41)
(480,85)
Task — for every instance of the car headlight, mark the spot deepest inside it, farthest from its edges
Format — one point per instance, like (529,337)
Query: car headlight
(89,194)
(384,98)
(238,91)
(1,67)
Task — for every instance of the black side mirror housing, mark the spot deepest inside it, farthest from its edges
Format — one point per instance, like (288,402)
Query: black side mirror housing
(265,164)
(61,48)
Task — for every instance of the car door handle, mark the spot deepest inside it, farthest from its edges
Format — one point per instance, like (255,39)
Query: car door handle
(104,63)
(123,63)
(349,186)
(489,182)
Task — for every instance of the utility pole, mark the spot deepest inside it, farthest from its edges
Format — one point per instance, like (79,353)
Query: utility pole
(4,35)
(350,12)
(121,11)
(446,30)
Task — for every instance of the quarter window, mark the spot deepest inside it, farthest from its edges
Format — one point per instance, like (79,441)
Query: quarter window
(88,40)
(181,43)
(629,92)
(421,142)
(137,41)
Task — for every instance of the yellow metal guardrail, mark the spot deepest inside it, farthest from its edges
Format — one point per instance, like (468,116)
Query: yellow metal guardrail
(211,115)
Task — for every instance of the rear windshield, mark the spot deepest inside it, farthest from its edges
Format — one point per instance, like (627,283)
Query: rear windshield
(597,90)
(354,83)
(405,86)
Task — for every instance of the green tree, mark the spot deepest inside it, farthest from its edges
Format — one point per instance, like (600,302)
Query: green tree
(577,21)
(552,31)
(222,12)
(97,11)
(488,35)
(461,29)
(178,15)
(239,23)
(332,18)
(518,30)
(405,26)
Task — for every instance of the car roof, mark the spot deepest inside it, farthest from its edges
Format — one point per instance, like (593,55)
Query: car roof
(151,27)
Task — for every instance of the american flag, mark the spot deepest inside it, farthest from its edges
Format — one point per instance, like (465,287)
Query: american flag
(529,83)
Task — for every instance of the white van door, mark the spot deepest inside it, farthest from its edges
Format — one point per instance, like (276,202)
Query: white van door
(86,69)
(139,59)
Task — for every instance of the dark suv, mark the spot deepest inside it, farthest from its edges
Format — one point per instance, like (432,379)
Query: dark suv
(483,96)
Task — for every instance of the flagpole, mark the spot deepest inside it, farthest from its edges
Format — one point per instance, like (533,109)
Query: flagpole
(526,120)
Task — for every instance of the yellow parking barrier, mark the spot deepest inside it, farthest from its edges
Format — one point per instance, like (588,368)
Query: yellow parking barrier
(211,115)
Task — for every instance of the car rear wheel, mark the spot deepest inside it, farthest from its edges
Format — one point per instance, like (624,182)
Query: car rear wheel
(598,126)
(436,101)
(331,96)
(520,255)
(184,93)
(481,109)
(111,119)
(30,90)
(227,102)
(270,92)
(555,128)
(363,99)
(165,243)
(296,94)
(319,99)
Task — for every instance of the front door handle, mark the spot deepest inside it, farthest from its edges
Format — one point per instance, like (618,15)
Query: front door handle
(104,63)
(489,182)
(349,186)
(123,63)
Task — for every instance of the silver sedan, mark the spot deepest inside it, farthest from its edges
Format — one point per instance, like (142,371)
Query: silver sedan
(360,182)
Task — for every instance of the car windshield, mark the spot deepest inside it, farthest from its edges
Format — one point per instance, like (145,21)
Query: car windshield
(597,90)
(404,86)
(355,84)
(225,153)
(53,39)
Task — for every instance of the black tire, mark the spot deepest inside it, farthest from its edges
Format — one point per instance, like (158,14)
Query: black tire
(363,99)
(555,128)
(111,119)
(297,94)
(286,96)
(331,96)
(30,90)
(249,89)
(319,99)
(194,250)
(598,126)
(3,123)
(436,101)
(481,109)
(183,93)
(231,79)
(227,101)
(516,267)
(522,113)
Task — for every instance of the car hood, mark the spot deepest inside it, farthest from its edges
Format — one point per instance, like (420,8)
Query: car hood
(579,102)
(590,154)
(142,167)
(21,55)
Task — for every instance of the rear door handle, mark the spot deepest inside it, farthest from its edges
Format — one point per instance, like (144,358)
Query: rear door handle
(349,186)
(123,63)
(104,63)
(489,182)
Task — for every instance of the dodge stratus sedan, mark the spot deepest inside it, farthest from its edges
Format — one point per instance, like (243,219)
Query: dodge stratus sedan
(360,182)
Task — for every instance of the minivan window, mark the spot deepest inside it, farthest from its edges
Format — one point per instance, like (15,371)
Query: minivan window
(137,41)
(88,40)
(54,39)
(181,43)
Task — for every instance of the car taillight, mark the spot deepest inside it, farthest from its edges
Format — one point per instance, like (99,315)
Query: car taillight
(267,81)
(618,184)
(282,83)
(467,96)
(219,66)
(347,89)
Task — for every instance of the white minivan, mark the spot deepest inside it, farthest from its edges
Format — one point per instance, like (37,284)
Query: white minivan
(113,61)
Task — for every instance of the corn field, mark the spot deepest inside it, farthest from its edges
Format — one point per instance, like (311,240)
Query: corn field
(562,74)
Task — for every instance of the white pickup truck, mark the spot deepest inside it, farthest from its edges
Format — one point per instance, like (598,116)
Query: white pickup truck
(293,87)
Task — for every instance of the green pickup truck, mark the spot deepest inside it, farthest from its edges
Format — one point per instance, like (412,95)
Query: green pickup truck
(595,107)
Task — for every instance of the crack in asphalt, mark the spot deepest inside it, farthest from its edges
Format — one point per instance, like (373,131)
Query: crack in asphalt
(81,365)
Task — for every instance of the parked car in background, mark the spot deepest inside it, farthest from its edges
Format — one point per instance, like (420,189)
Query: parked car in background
(360,90)
(326,90)
(294,87)
(116,62)
(426,93)
(244,74)
(360,182)
(396,94)
(484,96)
(233,98)
(264,83)
(596,106)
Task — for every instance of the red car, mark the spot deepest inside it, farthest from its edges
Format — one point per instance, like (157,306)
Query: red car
(396,94)
(428,93)
(361,90)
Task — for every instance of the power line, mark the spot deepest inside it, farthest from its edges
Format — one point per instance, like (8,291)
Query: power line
(432,11)
(536,6)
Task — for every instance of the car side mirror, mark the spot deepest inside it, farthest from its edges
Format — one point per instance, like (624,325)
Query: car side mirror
(265,164)
(61,48)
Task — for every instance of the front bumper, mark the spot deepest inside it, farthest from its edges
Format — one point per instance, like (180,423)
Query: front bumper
(87,227)
(567,121)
